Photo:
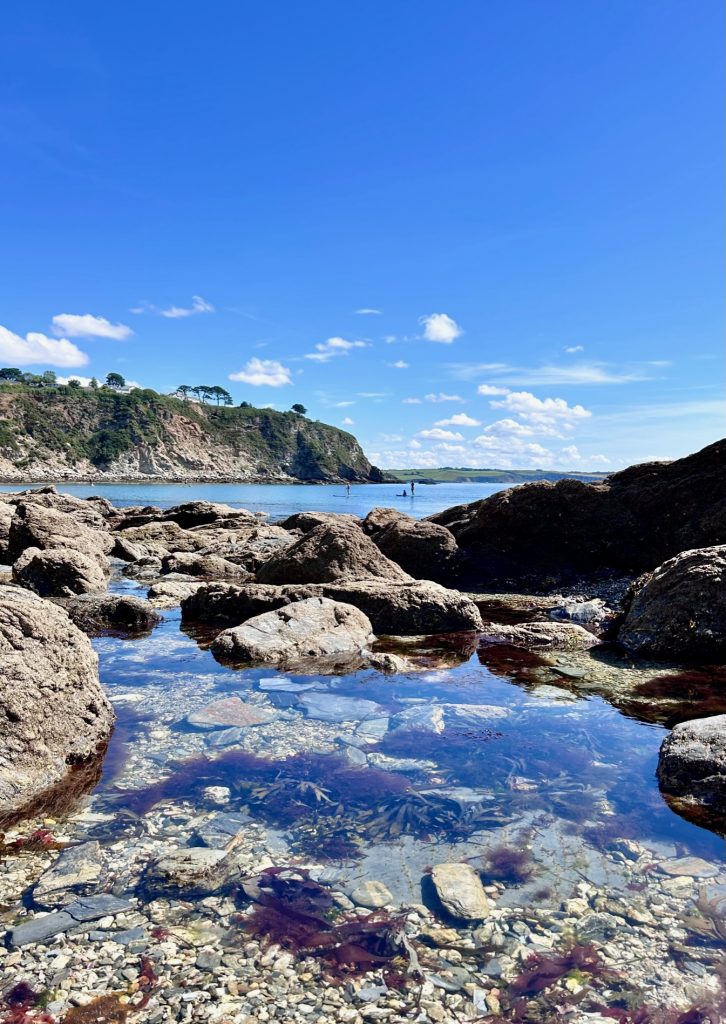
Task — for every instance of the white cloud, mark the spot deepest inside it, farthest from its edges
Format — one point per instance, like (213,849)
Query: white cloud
(572,349)
(326,350)
(509,428)
(459,419)
(37,348)
(347,421)
(441,328)
(492,389)
(578,373)
(445,447)
(411,401)
(443,397)
(546,414)
(199,305)
(342,405)
(399,365)
(85,325)
(571,453)
(367,312)
(436,434)
(415,444)
(263,372)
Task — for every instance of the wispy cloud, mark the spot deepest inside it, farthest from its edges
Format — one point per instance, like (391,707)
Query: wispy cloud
(367,312)
(199,305)
(492,389)
(442,396)
(440,327)
(577,373)
(263,373)
(347,421)
(85,325)
(37,348)
(572,349)
(399,365)
(325,350)
(436,434)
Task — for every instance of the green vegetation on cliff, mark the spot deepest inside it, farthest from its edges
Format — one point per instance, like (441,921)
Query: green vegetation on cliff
(145,433)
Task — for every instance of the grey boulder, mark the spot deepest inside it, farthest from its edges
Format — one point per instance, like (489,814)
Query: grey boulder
(692,761)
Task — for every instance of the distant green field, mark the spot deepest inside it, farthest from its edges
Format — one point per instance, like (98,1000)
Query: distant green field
(450,475)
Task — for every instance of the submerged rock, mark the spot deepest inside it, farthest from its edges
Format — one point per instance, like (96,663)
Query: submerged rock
(53,711)
(112,613)
(692,761)
(329,707)
(330,553)
(460,891)
(680,610)
(75,873)
(306,631)
(194,871)
(227,713)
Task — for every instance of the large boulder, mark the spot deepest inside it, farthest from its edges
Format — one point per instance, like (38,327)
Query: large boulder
(680,611)
(53,711)
(6,515)
(304,522)
(330,553)
(158,538)
(692,762)
(118,614)
(413,608)
(304,633)
(200,513)
(203,566)
(424,550)
(36,525)
(542,534)
(59,572)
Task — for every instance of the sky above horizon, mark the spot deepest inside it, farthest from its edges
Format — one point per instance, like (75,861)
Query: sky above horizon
(471,233)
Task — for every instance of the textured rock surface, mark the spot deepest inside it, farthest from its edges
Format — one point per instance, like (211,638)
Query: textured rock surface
(204,566)
(542,533)
(112,613)
(310,630)
(196,871)
(423,549)
(692,761)
(53,711)
(307,521)
(680,611)
(552,636)
(460,890)
(330,553)
(228,712)
(400,609)
(36,525)
(59,572)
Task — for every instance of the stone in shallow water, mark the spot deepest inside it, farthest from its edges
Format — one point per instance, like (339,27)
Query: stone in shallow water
(284,685)
(694,867)
(40,929)
(460,890)
(230,711)
(91,908)
(472,716)
(426,717)
(327,707)
(222,831)
(372,730)
(195,871)
(226,737)
(371,894)
(75,872)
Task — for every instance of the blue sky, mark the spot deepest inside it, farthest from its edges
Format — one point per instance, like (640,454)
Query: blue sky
(480,232)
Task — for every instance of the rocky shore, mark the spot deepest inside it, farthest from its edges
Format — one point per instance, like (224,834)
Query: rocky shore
(354,778)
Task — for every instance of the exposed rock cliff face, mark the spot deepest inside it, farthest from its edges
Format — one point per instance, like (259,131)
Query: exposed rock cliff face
(543,534)
(66,434)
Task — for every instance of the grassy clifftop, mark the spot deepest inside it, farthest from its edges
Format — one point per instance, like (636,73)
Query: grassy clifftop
(75,433)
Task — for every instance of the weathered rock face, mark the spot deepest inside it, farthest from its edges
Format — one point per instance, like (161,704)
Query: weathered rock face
(540,636)
(6,514)
(307,631)
(330,553)
(304,522)
(159,539)
(59,572)
(402,609)
(53,711)
(424,550)
(200,513)
(202,566)
(112,613)
(36,525)
(692,761)
(680,611)
(540,534)
(409,609)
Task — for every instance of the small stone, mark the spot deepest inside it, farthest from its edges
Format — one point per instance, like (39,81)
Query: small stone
(197,871)
(40,929)
(231,711)
(371,894)
(76,870)
(222,831)
(460,891)
(216,794)
(693,867)
(91,908)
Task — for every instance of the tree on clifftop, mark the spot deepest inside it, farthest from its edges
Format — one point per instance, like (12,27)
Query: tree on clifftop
(11,373)
(299,409)
(115,381)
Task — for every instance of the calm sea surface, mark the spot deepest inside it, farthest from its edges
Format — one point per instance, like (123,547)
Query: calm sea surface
(280,500)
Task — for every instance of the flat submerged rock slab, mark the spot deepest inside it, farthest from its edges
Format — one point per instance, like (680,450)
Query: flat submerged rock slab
(78,868)
(227,713)
(327,707)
